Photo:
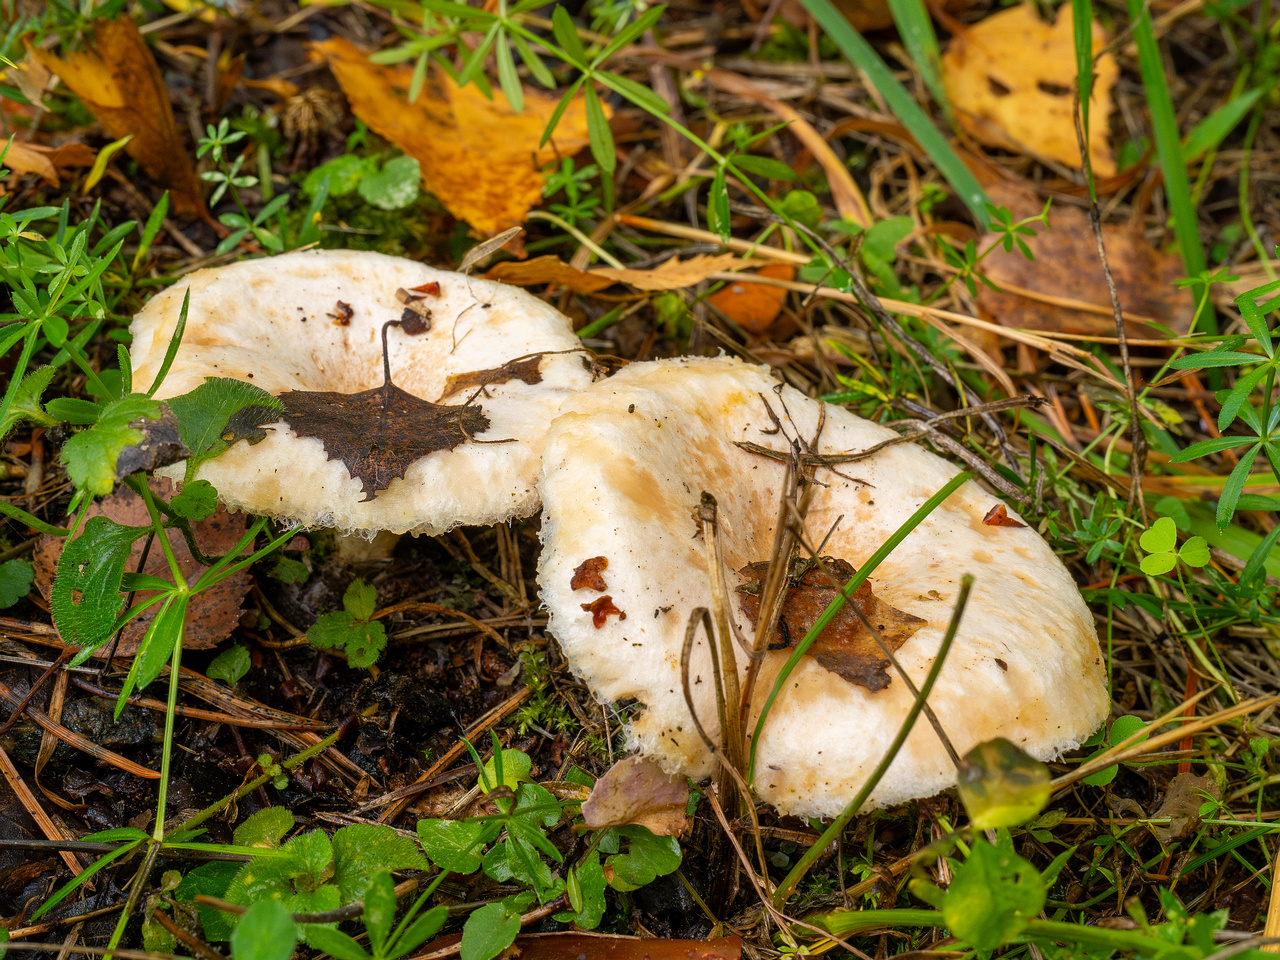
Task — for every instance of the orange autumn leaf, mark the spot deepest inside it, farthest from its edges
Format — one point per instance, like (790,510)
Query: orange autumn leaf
(49,163)
(754,306)
(117,79)
(1011,79)
(478,156)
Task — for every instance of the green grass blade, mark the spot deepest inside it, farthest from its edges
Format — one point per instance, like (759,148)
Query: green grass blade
(846,592)
(861,53)
(1209,132)
(1164,127)
(916,29)
(1082,33)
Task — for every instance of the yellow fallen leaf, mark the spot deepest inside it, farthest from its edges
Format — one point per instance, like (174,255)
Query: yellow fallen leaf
(1011,77)
(49,163)
(673,274)
(117,79)
(478,156)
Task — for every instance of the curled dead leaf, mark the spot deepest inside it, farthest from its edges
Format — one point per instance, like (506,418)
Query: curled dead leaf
(478,156)
(547,269)
(638,791)
(1011,77)
(118,80)
(673,274)
(49,163)
(1182,802)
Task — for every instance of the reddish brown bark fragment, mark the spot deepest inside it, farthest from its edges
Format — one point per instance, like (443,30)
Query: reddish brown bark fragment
(587,574)
(600,609)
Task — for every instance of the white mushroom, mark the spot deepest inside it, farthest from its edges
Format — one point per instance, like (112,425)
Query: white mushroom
(624,467)
(314,321)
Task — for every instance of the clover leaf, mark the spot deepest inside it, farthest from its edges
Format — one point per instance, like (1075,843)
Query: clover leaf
(1160,541)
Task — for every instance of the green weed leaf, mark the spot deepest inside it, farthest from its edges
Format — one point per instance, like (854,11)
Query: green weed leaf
(360,600)
(265,932)
(647,858)
(196,501)
(515,770)
(379,910)
(335,943)
(1195,552)
(26,401)
(90,456)
(218,413)
(363,850)
(230,665)
(454,845)
(992,896)
(493,927)
(764,167)
(420,931)
(16,577)
(1001,786)
(1160,537)
(344,174)
(86,593)
(1158,564)
(395,186)
(264,828)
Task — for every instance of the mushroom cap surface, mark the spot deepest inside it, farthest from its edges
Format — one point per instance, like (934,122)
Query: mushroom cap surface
(271,322)
(624,467)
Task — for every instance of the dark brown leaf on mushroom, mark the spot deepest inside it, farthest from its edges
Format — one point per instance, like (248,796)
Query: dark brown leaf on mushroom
(247,422)
(601,609)
(638,791)
(845,647)
(526,369)
(343,314)
(587,574)
(380,432)
(998,516)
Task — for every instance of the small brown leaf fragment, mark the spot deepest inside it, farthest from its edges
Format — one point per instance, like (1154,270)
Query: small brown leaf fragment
(420,292)
(587,574)
(600,609)
(415,321)
(1182,802)
(380,432)
(845,647)
(160,445)
(342,316)
(998,516)
(638,791)
(526,369)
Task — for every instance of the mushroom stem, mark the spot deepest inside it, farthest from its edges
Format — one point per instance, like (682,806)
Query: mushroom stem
(836,828)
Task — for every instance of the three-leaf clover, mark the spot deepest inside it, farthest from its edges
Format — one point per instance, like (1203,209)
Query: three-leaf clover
(1160,541)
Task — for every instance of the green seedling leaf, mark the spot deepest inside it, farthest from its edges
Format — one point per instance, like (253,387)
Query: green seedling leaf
(265,932)
(16,577)
(360,600)
(718,205)
(78,412)
(1121,729)
(1001,786)
(86,592)
(230,665)
(196,501)
(492,928)
(1158,564)
(156,649)
(335,943)
(344,174)
(764,167)
(515,770)
(264,829)
(380,910)
(363,850)
(218,413)
(420,931)
(393,187)
(647,858)
(1195,552)
(586,887)
(288,570)
(802,207)
(90,456)
(26,401)
(599,136)
(992,896)
(455,845)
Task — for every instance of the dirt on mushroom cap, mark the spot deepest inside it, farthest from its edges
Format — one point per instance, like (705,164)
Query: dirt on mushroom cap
(271,322)
(624,466)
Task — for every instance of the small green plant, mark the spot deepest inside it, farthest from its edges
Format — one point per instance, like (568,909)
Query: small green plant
(389,185)
(1160,541)
(353,628)
(1121,729)
(228,179)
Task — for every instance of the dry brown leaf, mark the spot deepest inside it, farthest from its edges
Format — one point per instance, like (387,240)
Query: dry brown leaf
(754,306)
(118,80)
(638,791)
(478,156)
(548,269)
(212,614)
(49,163)
(672,275)
(1067,266)
(1011,79)
(1182,802)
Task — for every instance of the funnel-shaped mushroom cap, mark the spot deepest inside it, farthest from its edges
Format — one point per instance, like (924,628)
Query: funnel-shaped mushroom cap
(277,322)
(624,467)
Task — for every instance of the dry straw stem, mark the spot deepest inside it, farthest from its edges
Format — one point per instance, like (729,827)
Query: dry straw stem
(1128,749)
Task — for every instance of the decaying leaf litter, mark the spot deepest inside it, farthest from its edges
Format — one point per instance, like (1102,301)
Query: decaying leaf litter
(647,265)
